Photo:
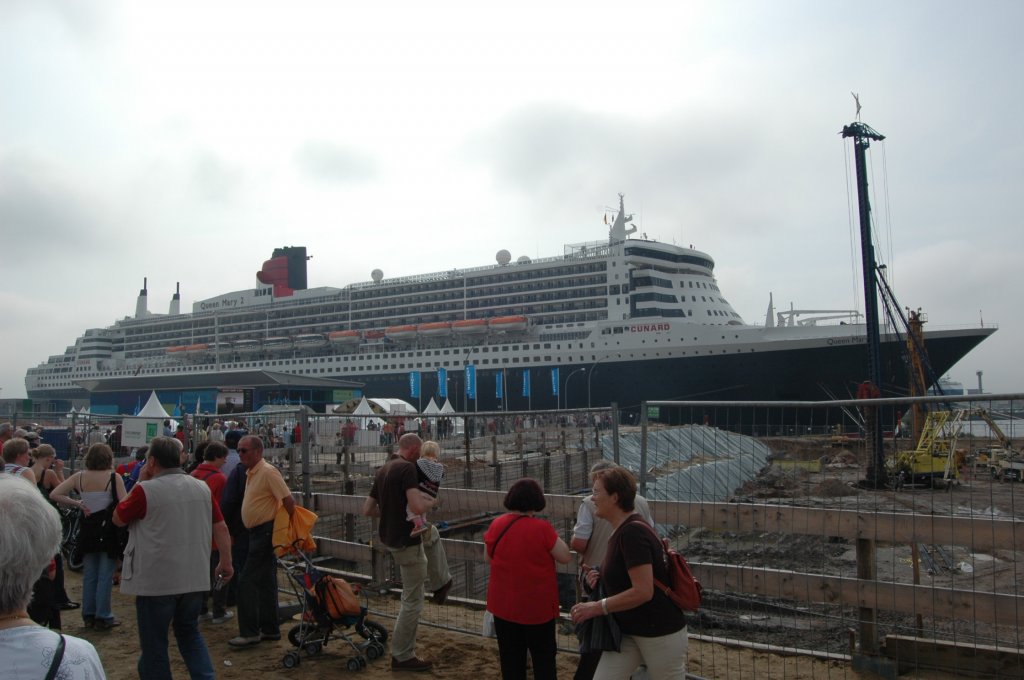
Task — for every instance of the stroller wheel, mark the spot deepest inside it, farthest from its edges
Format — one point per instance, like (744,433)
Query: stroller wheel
(380,649)
(299,633)
(353,664)
(372,652)
(371,630)
(362,661)
(313,648)
(291,660)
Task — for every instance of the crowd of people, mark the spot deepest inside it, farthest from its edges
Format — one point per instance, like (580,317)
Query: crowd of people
(180,537)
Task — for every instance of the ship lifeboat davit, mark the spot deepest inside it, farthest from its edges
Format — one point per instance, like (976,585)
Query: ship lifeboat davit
(511,324)
(310,341)
(344,338)
(435,330)
(280,344)
(469,326)
(406,332)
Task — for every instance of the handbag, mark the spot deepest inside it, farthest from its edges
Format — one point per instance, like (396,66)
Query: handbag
(601,633)
(99,534)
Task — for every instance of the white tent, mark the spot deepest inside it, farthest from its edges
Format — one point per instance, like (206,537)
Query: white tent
(431,408)
(137,430)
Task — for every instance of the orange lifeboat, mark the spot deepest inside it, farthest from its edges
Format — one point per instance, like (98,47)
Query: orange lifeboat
(197,349)
(344,337)
(509,323)
(177,349)
(469,326)
(434,330)
(405,332)
(375,334)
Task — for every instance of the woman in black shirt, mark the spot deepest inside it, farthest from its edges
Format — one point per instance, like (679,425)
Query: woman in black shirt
(653,628)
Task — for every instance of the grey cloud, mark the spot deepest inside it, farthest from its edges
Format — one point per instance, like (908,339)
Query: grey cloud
(329,162)
(214,180)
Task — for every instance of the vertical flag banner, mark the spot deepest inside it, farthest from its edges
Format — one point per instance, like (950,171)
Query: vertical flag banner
(471,381)
(554,382)
(526,382)
(442,382)
(498,387)
(414,383)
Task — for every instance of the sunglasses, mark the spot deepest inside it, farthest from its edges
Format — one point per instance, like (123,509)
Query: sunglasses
(244,450)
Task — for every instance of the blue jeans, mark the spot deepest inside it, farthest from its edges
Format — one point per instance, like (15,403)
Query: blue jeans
(154,615)
(97,582)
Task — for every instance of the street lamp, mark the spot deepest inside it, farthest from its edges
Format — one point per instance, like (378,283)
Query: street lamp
(593,370)
(566,400)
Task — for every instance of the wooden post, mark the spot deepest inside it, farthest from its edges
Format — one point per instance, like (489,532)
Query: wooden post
(494,449)
(867,616)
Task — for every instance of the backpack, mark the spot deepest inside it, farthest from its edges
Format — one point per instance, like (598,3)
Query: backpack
(337,598)
(685,590)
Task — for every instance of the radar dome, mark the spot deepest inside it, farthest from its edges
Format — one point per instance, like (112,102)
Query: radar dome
(523,259)
(376,275)
(503,257)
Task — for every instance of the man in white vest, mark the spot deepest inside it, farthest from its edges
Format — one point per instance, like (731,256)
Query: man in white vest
(171,518)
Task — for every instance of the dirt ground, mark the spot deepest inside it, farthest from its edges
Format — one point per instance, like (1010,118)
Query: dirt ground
(455,655)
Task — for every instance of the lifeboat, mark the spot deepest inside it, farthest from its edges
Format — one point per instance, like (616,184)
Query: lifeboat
(374,334)
(196,350)
(247,347)
(344,337)
(176,351)
(310,340)
(435,330)
(512,324)
(279,344)
(469,326)
(406,332)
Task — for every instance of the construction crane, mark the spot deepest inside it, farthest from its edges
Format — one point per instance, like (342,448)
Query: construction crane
(936,460)
(1005,462)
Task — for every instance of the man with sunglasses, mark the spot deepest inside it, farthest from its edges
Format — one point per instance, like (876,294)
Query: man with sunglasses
(265,492)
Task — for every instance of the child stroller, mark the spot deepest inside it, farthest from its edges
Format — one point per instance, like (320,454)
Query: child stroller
(329,606)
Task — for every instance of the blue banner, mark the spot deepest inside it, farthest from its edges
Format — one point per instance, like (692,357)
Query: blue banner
(442,382)
(414,383)
(526,382)
(498,385)
(470,381)
(554,382)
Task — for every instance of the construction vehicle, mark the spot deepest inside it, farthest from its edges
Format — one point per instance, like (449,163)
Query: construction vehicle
(1004,462)
(936,460)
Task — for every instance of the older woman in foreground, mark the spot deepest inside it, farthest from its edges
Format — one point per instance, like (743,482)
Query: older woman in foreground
(29,537)
(653,628)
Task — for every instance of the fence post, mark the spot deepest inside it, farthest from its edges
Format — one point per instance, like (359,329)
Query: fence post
(519,444)
(866,571)
(467,477)
(643,448)
(307,434)
(494,449)
(615,432)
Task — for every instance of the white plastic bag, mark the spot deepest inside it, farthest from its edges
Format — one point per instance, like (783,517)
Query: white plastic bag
(488,627)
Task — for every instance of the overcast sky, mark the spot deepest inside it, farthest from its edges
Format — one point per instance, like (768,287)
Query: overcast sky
(185,141)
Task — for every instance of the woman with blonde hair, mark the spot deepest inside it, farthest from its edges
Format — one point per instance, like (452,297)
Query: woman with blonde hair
(99,489)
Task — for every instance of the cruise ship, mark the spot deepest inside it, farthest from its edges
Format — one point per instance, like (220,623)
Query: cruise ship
(623,320)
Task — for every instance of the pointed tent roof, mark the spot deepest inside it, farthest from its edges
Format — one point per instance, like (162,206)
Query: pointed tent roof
(431,408)
(363,409)
(447,408)
(153,408)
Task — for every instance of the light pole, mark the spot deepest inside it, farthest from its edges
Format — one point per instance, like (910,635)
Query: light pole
(568,378)
(590,376)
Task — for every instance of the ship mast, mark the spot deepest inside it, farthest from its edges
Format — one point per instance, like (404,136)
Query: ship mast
(862,136)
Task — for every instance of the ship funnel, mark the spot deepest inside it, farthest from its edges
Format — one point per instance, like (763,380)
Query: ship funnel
(176,300)
(141,306)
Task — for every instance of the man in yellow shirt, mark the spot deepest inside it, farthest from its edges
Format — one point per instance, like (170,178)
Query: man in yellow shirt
(265,492)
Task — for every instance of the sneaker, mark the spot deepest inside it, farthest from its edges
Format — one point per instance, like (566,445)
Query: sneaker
(242,641)
(421,529)
(208,616)
(106,624)
(441,594)
(414,664)
(69,605)
(226,616)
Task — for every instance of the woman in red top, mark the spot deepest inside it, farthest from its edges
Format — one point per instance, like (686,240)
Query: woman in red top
(522,592)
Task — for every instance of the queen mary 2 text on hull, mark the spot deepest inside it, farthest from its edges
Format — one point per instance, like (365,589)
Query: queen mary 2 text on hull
(643,319)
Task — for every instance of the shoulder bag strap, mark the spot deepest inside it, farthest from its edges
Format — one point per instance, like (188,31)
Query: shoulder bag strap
(664,552)
(502,534)
(58,657)
(113,489)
